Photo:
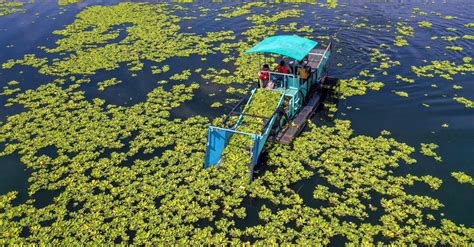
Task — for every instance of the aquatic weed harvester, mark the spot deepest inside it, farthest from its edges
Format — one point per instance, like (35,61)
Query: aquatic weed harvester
(286,107)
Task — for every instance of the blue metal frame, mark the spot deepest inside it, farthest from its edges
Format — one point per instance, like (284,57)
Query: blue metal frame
(218,138)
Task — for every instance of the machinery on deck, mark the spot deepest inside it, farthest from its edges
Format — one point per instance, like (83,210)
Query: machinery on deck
(298,102)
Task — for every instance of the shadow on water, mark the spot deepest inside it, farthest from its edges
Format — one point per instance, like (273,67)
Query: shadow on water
(44,198)
(14,177)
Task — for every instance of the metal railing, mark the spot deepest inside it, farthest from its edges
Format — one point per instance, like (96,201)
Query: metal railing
(324,55)
(279,77)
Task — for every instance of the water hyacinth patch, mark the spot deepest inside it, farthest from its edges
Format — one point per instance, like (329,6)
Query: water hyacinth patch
(399,77)
(425,24)
(355,86)
(455,48)
(466,102)
(401,93)
(88,54)
(8,7)
(448,68)
(463,178)
(428,150)
(67,2)
(107,83)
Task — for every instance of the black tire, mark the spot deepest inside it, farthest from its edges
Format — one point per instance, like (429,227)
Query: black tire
(278,125)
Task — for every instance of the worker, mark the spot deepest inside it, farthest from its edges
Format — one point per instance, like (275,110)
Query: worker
(303,71)
(264,76)
(283,68)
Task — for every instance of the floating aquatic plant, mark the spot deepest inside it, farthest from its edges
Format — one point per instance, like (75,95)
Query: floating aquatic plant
(425,24)
(399,77)
(91,51)
(67,2)
(401,93)
(463,178)
(405,30)
(183,76)
(450,38)
(107,83)
(354,86)
(233,90)
(466,102)
(400,41)
(449,17)
(216,104)
(455,48)
(445,68)
(10,7)
(427,149)
(468,37)
(242,10)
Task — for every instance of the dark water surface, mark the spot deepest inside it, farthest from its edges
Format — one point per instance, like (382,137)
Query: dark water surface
(405,118)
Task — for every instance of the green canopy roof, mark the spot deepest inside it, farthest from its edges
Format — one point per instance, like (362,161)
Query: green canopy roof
(291,46)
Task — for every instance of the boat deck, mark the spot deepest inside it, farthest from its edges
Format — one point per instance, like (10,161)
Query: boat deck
(287,136)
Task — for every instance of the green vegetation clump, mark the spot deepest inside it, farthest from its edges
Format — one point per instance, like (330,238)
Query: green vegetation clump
(463,178)
(8,91)
(242,10)
(67,2)
(425,24)
(382,59)
(428,150)
(216,105)
(455,48)
(354,86)
(87,41)
(468,37)
(181,77)
(446,69)
(10,7)
(400,41)
(405,30)
(466,102)
(28,60)
(450,38)
(399,77)
(233,90)
(107,83)
(401,93)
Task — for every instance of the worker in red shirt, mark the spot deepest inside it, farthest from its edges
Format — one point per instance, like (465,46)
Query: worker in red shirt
(283,68)
(264,76)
